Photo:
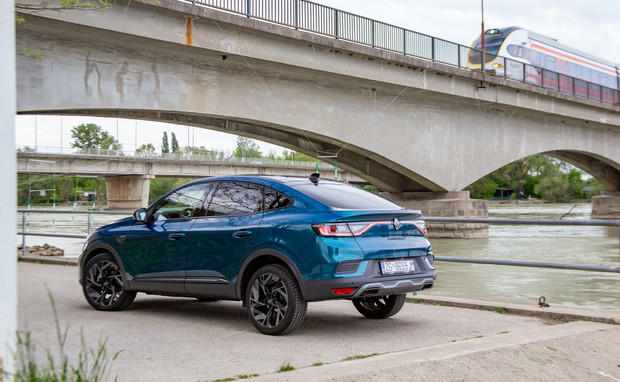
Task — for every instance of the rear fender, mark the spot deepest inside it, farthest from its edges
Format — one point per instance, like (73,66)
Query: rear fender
(268,255)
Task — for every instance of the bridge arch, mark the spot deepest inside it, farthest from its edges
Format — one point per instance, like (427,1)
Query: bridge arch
(403,124)
(602,169)
(385,174)
(407,125)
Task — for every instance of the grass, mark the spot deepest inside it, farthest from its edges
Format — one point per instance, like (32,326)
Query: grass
(362,356)
(287,367)
(317,364)
(467,339)
(92,363)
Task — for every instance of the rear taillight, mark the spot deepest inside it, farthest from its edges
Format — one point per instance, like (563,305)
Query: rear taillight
(343,229)
(421,225)
(333,229)
(358,228)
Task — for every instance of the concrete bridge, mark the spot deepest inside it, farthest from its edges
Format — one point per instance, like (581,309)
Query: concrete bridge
(128,177)
(420,130)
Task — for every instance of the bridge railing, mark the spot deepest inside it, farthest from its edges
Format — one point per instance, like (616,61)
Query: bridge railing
(320,19)
(581,267)
(188,156)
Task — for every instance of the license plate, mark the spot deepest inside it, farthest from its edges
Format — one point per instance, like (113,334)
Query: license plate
(401,266)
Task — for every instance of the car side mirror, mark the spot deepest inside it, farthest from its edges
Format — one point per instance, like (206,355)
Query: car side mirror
(140,215)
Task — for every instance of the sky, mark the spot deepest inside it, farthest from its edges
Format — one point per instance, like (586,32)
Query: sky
(592,26)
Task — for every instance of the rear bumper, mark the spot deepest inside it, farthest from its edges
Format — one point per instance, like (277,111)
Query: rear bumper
(368,286)
(393,287)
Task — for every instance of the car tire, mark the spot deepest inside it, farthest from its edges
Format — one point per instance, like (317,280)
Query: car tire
(381,306)
(103,284)
(273,300)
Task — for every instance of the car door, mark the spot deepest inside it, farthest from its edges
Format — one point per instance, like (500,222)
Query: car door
(220,241)
(156,251)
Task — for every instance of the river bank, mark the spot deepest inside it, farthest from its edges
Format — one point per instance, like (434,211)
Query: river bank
(559,244)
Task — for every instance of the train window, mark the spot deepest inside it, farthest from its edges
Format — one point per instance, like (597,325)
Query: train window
(535,57)
(550,63)
(607,80)
(515,50)
(572,69)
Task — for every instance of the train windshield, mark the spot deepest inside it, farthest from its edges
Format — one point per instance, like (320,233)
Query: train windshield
(493,40)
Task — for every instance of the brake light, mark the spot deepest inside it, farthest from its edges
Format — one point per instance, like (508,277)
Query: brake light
(343,291)
(421,226)
(333,229)
(343,229)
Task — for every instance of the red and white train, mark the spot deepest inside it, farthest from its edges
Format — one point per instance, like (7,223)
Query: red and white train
(527,56)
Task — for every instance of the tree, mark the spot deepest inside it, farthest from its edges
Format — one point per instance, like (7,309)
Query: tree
(537,176)
(91,136)
(147,150)
(555,188)
(247,148)
(272,154)
(193,150)
(297,157)
(175,144)
(165,148)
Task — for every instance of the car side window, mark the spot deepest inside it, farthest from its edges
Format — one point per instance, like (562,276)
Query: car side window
(236,198)
(275,200)
(182,204)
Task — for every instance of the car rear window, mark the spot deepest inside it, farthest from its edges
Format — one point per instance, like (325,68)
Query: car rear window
(344,196)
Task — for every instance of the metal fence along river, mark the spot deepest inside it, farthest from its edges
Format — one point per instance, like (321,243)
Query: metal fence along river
(545,255)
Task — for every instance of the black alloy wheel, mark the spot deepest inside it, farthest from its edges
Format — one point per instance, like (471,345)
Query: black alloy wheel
(381,306)
(103,284)
(274,302)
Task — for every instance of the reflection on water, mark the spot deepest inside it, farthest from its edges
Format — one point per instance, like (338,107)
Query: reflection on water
(555,244)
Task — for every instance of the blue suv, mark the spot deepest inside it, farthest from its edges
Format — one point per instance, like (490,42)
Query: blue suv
(273,243)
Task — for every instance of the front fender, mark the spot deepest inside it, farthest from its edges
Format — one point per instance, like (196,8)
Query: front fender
(96,248)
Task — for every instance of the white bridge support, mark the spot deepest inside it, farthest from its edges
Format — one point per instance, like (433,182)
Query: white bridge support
(127,192)
(606,206)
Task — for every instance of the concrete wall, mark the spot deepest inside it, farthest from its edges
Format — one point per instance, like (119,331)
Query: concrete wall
(8,187)
(400,123)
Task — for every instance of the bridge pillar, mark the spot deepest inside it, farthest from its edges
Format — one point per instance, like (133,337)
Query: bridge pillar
(606,206)
(447,204)
(127,192)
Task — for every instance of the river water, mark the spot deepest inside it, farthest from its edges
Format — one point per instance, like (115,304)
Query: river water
(554,244)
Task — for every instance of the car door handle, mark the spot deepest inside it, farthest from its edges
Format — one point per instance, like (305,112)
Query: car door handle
(176,235)
(242,233)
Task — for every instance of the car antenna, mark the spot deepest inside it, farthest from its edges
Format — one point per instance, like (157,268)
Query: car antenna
(314,178)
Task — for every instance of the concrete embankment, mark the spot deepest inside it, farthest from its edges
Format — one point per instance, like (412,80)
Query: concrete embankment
(163,338)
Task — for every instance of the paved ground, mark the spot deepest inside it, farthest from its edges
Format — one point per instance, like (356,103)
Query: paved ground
(164,338)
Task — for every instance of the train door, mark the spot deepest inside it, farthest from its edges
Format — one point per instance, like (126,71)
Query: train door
(566,84)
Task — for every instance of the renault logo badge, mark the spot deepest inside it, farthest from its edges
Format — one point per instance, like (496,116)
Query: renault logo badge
(396,224)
